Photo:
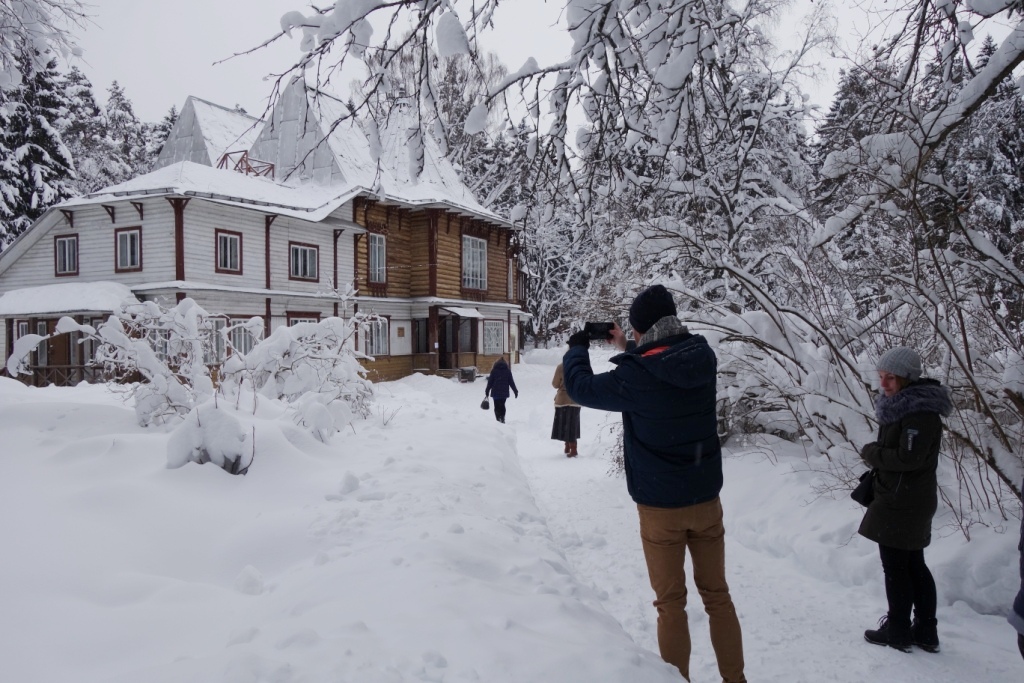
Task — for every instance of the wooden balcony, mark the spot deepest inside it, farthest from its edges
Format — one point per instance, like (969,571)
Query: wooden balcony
(241,162)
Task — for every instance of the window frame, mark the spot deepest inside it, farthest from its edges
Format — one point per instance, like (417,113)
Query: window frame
(292,246)
(57,239)
(217,265)
(501,337)
(471,245)
(296,317)
(239,333)
(377,273)
(372,336)
(118,268)
(43,349)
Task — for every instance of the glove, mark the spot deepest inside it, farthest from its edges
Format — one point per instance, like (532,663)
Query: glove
(868,450)
(517,394)
(580,338)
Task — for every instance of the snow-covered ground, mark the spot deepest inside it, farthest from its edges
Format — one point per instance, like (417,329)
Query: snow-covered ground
(430,543)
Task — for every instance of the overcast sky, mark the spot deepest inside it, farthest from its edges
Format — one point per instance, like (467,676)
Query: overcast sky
(162,52)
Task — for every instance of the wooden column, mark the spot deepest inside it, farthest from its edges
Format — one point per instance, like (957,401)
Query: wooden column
(432,220)
(178,204)
(268,221)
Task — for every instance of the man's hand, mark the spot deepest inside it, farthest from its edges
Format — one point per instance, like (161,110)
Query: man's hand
(580,338)
(618,337)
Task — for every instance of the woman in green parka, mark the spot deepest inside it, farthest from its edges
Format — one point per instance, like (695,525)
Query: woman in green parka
(905,457)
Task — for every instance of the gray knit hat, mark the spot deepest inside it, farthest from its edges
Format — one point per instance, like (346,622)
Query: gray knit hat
(902,362)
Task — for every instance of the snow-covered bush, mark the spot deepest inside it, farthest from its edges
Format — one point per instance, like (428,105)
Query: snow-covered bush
(313,367)
(211,433)
(162,358)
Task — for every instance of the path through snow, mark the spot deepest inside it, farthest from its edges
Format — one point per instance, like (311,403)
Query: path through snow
(805,585)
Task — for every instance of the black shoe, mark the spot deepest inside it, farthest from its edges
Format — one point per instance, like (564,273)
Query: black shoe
(888,634)
(924,633)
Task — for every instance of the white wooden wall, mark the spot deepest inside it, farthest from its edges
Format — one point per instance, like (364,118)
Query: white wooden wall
(95,233)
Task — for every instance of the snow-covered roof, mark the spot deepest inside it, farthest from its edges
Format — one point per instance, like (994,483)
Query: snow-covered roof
(225,130)
(204,131)
(387,170)
(65,297)
(312,135)
(463,312)
(308,201)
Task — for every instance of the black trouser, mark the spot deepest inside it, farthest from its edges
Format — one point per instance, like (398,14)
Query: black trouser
(499,409)
(908,585)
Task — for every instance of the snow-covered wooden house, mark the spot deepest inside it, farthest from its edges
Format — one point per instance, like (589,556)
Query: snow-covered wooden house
(263,218)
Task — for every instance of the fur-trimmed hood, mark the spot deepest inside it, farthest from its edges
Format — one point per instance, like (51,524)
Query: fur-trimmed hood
(922,396)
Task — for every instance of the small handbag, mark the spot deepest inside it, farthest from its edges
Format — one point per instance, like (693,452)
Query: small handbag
(485,404)
(864,492)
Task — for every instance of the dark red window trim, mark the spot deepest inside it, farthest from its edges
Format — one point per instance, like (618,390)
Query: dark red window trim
(66,236)
(216,252)
(117,233)
(308,246)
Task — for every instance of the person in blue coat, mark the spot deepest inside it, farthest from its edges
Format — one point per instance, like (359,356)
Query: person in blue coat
(665,387)
(499,382)
(1017,612)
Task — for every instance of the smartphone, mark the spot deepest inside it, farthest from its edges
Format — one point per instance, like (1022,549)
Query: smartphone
(599,331)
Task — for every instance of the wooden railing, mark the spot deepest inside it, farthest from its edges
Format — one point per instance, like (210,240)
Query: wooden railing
(241,161)
(61,375)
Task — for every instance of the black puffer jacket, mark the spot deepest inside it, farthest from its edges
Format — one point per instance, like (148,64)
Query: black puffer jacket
(665,390)
(906,456)
(499,381)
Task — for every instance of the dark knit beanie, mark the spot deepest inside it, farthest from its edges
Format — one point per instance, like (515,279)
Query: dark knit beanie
(902,362)
(650,306)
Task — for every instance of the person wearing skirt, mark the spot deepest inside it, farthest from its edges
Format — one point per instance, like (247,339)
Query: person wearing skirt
(567,416)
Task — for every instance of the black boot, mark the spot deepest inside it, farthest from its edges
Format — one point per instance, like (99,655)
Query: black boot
(889,634)
(924,633)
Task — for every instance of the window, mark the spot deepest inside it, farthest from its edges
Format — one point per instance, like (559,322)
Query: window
(474,262)
(296,318)
(377,338)
(229,252)
(213,346)
(467,329)
(21,329)
(419,335)
(65,256)
(378,258)
(160,342)
(303,261)
(241,338)
(494,337)
(41,330)
(128,249)
(89,345)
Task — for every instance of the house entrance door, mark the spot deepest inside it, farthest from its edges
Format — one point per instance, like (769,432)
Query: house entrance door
(445,343)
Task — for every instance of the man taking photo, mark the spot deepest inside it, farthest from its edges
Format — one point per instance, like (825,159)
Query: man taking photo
(664,386)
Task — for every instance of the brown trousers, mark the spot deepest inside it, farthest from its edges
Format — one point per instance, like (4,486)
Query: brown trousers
(666,535)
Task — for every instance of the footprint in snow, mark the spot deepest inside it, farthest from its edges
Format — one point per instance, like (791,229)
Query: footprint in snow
(249,581)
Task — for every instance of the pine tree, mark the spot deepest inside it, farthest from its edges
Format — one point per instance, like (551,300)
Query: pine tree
(40,172)
(156,133)
(97,161)
(126,131)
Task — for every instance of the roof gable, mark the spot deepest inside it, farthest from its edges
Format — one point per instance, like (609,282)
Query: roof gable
(204,131)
